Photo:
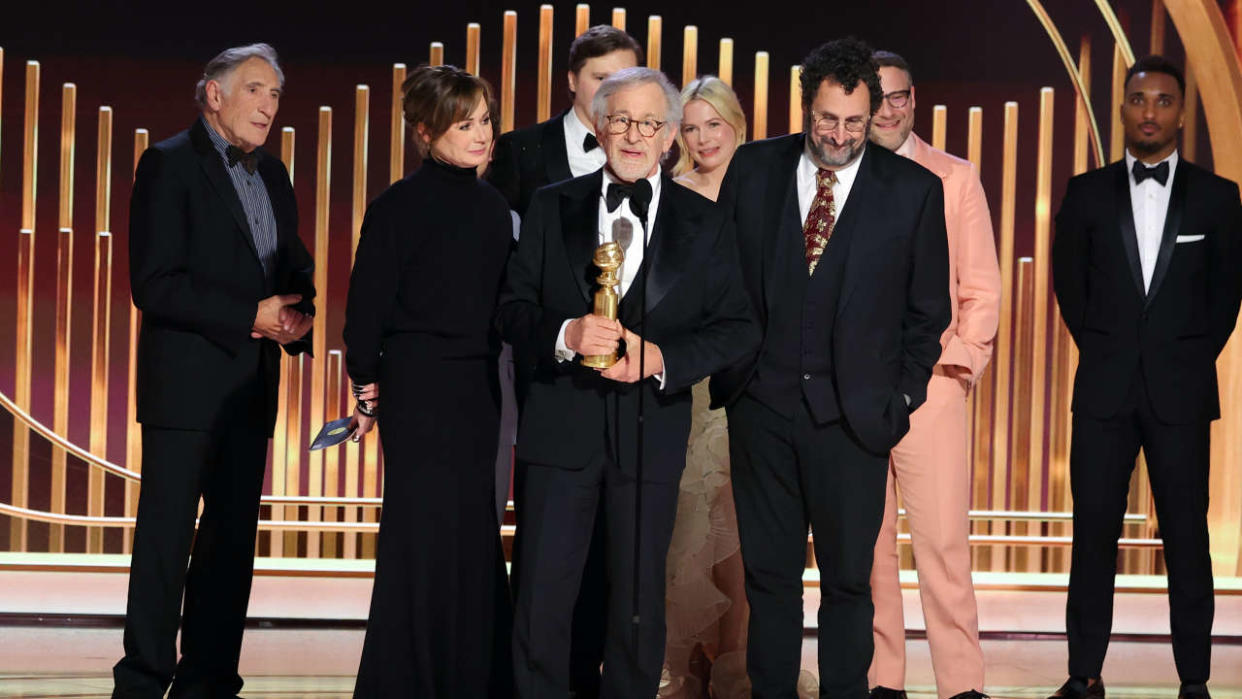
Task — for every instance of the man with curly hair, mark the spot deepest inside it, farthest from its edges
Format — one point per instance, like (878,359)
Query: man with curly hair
(844,255)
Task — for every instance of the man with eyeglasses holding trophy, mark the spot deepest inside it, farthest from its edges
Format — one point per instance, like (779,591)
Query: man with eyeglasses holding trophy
(595,434)
(845,259)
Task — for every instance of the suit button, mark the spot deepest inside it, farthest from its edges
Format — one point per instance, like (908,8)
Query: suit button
(806,377)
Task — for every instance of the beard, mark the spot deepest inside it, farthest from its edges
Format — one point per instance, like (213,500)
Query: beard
(838,155)
(1151,147)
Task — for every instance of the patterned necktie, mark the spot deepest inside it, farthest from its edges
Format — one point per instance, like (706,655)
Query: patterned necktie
(820,219)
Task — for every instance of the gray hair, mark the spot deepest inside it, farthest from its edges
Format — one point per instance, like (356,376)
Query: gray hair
(633,77)
(228,60)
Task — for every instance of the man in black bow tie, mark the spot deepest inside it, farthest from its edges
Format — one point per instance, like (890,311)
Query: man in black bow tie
(580,441)
(223,282)
(1145,270)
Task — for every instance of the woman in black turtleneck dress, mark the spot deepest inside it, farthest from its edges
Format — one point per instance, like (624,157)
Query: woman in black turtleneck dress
(419,337)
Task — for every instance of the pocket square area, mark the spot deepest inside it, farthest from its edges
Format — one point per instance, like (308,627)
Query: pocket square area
(1189,238)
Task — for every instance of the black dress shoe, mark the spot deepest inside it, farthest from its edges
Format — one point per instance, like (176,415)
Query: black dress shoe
(1077,688)
(972,694)
(886,693)
(1194,691)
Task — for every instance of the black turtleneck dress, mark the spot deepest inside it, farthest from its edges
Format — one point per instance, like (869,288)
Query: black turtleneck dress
(419,322)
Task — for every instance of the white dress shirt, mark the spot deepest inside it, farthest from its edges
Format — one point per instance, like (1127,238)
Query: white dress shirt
(1150,203)
(633,254)
(580,161)
(807,170)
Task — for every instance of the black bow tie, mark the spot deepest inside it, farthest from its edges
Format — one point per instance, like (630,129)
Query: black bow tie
(250,160)
(1159,173)
(590,143)
(616,194)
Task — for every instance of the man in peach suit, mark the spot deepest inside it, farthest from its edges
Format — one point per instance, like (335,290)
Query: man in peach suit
(929,465)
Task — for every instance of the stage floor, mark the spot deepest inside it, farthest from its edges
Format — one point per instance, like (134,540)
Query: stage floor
(320,663)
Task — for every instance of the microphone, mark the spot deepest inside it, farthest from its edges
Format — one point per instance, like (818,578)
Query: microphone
(623,233)
(640,200)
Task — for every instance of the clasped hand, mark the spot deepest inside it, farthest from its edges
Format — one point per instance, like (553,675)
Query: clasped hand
(277,320)
(593,334)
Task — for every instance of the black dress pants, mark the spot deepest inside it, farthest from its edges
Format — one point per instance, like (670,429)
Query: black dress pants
(1102,458)
(559,512)
(225,467)
(790,473)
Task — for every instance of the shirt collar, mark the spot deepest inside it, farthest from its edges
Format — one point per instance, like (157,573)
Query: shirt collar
(906,149)
(575,130)
(654,180)
(1172,160)
(221,145)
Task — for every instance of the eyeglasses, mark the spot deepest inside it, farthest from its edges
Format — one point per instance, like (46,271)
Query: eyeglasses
(897,98)
(827,123)
(619,124)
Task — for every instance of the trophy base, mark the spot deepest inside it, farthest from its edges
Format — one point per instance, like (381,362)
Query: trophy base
(599,361)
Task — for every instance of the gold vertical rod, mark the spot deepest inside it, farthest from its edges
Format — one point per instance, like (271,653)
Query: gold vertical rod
(472,48)
(618,18)
(974,138)
(101,314)
(689,54)
(655,33)
(543,101)
(760,112)
(940,126)
(724,68)
(979,405)
(1190,132)
(349,546)
(280,435)
(508,72)
(582,18)
(288,141)
(370,487)
(133,431)
(362,125)
(1116,134)
(1003,363)
(21,379)
(396,151)
(1158,16)
(436,54)
(293,460)
(103,172)
(1081,124)
(30,144)
(1042,293)
(60,381)
(795,99)
(1021,419)
(332,456)
(68,142)
(319,343)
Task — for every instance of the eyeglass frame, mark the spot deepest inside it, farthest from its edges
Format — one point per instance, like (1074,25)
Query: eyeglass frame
(837,122)
(899,95)
(613,119)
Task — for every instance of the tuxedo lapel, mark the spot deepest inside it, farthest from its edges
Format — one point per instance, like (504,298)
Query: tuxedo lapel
(847,217)
(781,200)
(1172,224)
(213,168)
(1125,220)
(555,156)
(668,251)
(579,226)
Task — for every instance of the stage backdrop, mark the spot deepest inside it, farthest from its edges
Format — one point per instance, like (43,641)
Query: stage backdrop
(1028,91)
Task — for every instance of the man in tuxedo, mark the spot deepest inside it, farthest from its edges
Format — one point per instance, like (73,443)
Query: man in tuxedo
(1144,267)
(930,464)
(844,256)
(584,440)
(222,280)
(558,149)
(565,145)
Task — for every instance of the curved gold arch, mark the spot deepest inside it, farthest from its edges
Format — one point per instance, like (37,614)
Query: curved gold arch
(1119,32)
(1067,59)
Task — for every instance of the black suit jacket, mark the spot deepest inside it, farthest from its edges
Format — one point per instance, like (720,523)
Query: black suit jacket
(196,277)
(697,313)
(1174,330)
(530,158)
(893,303)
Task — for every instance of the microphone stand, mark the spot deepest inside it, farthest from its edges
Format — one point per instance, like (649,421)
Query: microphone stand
(644,269)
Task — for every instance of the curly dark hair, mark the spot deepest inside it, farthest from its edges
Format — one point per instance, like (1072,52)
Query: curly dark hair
(846,62)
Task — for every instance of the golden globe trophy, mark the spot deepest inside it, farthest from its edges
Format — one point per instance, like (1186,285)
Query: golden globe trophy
(608,257)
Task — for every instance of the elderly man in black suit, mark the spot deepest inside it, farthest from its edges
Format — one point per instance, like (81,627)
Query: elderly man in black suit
(845,258)
(1145,268)
(580,434)
(223,281)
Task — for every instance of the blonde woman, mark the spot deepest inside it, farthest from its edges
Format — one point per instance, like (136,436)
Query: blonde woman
(706,601)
